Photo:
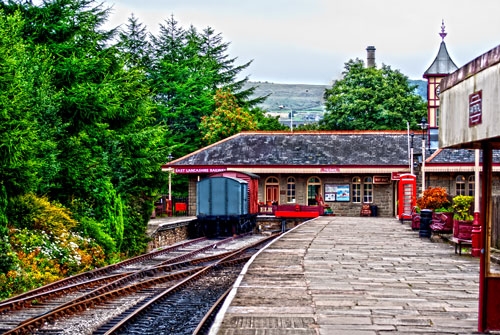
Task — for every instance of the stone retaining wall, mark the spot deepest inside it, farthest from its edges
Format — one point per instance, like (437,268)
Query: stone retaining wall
(168,236)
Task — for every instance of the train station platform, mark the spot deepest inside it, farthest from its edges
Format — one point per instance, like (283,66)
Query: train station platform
(355,276)
(157,223)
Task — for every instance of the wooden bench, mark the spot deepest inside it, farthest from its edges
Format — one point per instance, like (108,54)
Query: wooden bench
(458,242)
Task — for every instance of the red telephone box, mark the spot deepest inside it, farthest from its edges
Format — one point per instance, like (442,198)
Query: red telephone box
(407,195)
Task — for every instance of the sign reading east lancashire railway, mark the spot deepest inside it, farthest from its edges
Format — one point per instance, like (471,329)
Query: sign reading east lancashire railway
(198,170)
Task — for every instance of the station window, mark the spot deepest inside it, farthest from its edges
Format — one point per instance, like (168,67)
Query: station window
(313,188)
(368,190)
(356,189)
(460,185)
(472,187)
(290,189)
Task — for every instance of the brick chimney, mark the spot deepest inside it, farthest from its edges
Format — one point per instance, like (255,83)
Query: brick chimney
(370,56)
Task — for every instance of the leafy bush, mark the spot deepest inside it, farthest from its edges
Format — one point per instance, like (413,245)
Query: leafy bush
(33,212)
(462,207)
(447,209)
(44,249)
(94,230)
(433,198)
(6,254)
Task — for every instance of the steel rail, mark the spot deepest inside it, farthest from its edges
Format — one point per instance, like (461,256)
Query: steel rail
(96,273)
(44,296)
(32,325)
(110,291)
(226,261)
(208,318)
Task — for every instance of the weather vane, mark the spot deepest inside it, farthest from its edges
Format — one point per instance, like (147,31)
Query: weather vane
(442,33)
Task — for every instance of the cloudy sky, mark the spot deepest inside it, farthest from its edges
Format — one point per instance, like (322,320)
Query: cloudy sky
(308,41)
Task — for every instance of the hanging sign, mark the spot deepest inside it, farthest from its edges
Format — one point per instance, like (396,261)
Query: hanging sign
(381,179)
(475,108)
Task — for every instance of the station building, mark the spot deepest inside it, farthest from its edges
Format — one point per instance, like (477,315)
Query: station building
(345,168)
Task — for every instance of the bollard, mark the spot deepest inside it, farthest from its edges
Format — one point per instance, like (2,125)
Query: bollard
(425,223)
(476,236)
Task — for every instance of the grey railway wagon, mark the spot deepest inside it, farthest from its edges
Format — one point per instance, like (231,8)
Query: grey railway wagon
(222,197)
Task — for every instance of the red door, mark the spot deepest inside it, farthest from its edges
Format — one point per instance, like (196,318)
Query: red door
(272,194)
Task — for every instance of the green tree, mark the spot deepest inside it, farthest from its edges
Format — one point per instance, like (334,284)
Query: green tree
(134,45)
(183,91)
(371,98)
(109,147)
(24,93)
(223,68)
(266,122)
(188,68)
(227,119)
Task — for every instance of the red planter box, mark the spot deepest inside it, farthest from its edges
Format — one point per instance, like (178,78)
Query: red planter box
(415,221)
(442,222)
(462,229)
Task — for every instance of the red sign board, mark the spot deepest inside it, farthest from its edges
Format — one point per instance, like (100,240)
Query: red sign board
(199,170)
(475,108)
(396,175)
(381,180)
(330,170)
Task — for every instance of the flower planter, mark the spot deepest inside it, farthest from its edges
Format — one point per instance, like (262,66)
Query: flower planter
(415,221)
(442,222)
(462,229)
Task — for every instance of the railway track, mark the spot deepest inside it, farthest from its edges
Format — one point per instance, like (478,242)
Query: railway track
(100,302)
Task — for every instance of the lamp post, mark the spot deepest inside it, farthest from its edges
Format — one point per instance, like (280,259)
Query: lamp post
(169,180)
(411,153)
(423,125)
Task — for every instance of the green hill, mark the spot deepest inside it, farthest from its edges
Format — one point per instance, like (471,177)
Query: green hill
(306,101)
(302,98)
(287,97)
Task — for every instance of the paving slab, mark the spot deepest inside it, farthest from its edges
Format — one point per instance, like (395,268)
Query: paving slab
(346,275)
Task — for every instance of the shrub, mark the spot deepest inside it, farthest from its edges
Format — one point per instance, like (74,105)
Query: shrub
(33,212)
(433,198)
(94,230)
(44,248)
(462,207)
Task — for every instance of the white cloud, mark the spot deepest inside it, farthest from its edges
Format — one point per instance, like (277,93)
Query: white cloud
(309,41)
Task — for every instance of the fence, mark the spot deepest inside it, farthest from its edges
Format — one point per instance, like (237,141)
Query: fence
(176,207)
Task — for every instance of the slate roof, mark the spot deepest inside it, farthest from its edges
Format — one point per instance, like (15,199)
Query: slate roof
(459,156)
(442,64)
(360,149)
(340,148)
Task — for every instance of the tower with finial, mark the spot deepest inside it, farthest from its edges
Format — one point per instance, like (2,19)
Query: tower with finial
(443,32)
(440,68)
